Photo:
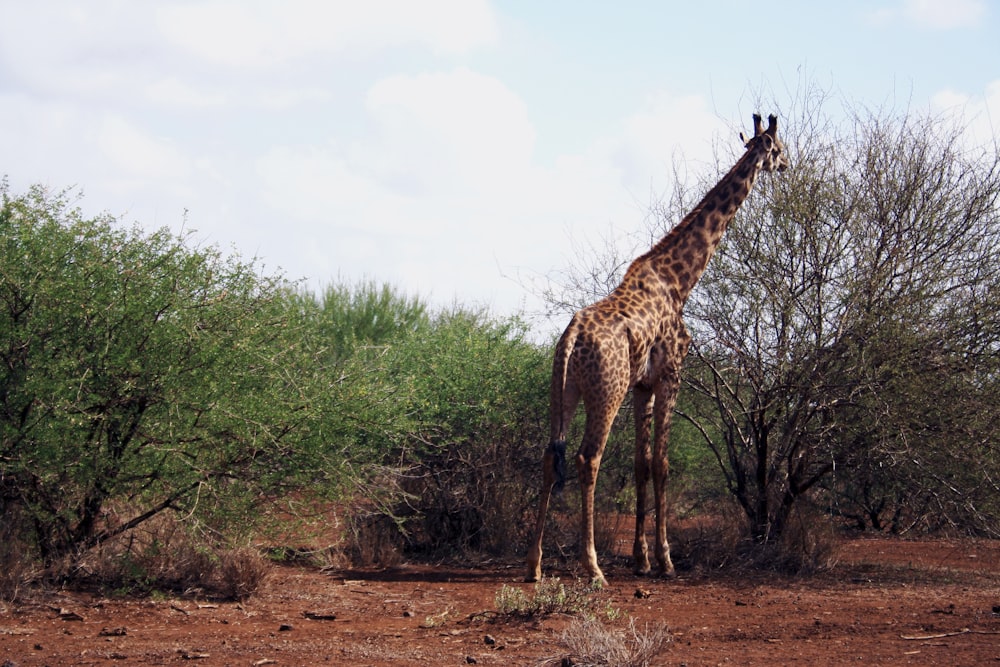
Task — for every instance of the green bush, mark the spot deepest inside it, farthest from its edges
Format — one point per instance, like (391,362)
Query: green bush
(141,373)
(480,402)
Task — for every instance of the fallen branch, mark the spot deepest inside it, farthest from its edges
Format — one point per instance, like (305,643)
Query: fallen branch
(956,633)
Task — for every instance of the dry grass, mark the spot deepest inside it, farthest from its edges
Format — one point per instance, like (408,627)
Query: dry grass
(372,538)
(16,568)
(722,542)
(592,644)
(240,573)
(162,555)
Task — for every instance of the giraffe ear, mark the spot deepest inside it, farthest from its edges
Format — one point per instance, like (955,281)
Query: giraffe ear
(745,139)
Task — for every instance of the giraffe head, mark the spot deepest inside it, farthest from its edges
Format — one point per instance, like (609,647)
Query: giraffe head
(768,143)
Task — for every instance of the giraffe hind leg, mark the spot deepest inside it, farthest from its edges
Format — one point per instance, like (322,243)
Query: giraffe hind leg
(588,463)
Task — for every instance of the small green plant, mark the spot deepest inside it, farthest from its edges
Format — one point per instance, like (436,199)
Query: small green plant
(609,612)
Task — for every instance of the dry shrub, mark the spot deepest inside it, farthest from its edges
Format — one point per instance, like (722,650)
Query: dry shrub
(709,542)
(507,518)
(303,531)
(808,544)
(241,572)
(592,644)
(550,596)
(16,565)
(373,538)
(471,501)
(165,555)
(15,574)
(321,557)
(721,541)
(608,527)
(446,514)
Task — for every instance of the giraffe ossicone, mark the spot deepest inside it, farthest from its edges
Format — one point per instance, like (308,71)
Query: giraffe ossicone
(635,339)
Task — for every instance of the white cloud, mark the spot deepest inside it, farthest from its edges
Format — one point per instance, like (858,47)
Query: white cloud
(444,190)
(436,137)
(945,14)
(666,129)
(433,196)
(285,99)
(84,49)
(131,151)
(172,92)
(234,33)
(935,14)
(317,185)
(448,131)
(979,114)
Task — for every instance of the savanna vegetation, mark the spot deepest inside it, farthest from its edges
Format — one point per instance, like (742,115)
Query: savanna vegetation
(845,336)
(167,411)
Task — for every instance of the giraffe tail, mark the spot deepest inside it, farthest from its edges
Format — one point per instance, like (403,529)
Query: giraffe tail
(557,445)
(557,448)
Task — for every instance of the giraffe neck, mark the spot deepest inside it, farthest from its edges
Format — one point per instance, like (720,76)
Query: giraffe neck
(682,255)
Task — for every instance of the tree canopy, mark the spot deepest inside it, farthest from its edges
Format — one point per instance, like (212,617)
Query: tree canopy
(140,374)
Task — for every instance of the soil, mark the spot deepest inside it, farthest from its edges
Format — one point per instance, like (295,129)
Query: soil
(886,602)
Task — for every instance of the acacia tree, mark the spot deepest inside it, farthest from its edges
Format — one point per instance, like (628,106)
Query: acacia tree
(843,331)
(139,374)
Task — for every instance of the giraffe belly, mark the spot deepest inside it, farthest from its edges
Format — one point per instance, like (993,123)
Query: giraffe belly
(647,368)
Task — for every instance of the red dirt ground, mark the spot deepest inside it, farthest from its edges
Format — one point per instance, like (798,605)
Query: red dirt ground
(934,602)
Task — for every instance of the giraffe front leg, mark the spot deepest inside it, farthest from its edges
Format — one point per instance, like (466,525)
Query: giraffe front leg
(661,549)
(665,400)
(643,420)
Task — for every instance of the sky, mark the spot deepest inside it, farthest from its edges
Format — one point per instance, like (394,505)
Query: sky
(460,150)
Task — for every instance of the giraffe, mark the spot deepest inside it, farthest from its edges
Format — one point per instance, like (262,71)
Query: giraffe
(635,339)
